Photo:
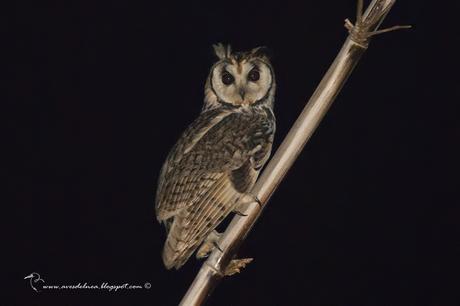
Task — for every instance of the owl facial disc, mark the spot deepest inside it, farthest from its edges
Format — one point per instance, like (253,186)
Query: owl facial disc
(241,78)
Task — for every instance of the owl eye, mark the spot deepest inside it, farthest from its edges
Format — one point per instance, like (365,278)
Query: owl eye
(254,75)
(227,78)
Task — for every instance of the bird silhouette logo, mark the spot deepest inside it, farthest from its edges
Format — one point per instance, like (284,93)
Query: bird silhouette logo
(34,280)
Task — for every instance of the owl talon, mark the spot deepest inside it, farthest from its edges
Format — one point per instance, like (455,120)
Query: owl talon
(239,213)
(216,245)
(236,265)
(256,199)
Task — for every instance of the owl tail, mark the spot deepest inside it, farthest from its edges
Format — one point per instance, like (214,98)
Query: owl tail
(169,256)
(173,259)
(173,251)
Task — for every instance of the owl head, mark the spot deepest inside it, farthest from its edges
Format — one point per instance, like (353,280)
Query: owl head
(240,79)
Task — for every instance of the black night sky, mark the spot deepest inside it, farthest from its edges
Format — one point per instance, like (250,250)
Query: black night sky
(99,92)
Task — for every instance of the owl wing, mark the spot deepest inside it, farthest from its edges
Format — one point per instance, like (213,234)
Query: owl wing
(184,175)
(210,178)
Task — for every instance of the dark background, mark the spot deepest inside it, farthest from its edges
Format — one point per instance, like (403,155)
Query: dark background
(99,93)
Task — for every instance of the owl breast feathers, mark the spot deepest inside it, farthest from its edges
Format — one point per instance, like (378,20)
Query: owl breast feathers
(214,163)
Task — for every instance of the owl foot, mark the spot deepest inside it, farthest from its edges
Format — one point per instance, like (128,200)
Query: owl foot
(208,245)
(245,202)
(247,199)
(236,265)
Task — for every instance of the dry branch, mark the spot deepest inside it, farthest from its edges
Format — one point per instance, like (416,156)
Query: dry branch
(355,45)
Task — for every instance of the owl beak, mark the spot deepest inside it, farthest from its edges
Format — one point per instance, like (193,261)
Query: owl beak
(242,93)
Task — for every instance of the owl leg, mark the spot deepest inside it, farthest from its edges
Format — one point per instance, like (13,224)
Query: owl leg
(208,245)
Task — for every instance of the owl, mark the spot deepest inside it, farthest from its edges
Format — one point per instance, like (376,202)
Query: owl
(215,163)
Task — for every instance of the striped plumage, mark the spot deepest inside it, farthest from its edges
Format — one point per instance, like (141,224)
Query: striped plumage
(215,162)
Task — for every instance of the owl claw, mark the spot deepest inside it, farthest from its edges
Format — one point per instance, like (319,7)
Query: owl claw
(216,245)
(244,203)
(239,213)
(256,199)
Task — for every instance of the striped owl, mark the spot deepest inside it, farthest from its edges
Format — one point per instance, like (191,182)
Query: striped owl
(216,161)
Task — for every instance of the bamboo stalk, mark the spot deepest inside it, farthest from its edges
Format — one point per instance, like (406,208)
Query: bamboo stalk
(355,45)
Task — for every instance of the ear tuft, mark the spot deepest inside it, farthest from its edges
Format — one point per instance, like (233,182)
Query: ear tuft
(261,52)
(222,51)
